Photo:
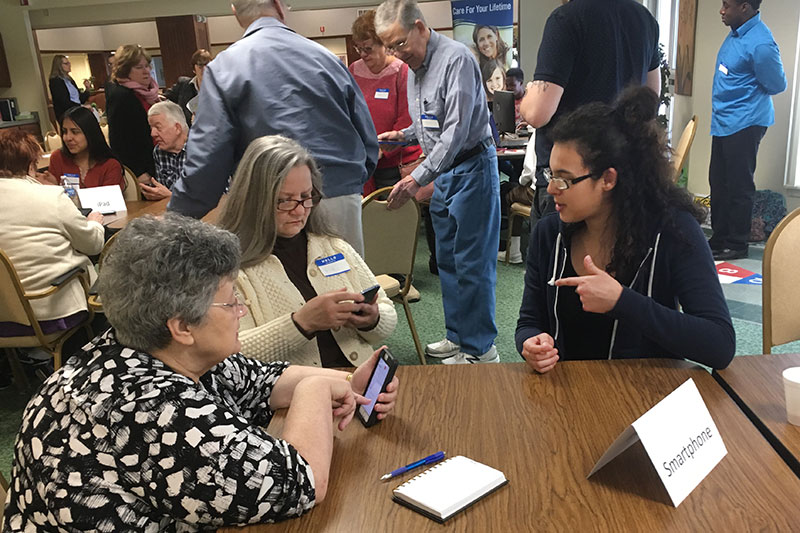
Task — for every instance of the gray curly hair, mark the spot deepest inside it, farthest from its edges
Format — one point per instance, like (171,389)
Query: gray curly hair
(163,268)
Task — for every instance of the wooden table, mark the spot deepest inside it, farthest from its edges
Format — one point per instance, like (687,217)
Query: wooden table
(756,384)
(545,433)
(146,207)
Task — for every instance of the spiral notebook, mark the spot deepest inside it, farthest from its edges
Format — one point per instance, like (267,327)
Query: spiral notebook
(449,487)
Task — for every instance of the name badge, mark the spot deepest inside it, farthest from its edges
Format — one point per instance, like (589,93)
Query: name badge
(381,94)
(332,265)
(430,122)
(723,69)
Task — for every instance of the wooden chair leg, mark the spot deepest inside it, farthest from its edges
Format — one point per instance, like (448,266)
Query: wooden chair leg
(511,217)
(413,329)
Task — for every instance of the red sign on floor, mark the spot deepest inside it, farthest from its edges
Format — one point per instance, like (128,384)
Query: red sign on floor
(730,273)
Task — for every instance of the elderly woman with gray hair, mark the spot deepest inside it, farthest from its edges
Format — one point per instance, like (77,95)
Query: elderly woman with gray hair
(156,426)
(302,283)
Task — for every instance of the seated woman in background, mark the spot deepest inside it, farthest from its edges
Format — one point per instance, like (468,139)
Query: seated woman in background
(608,274)
(156,426)
(44,235)
(298,311)
(63,89)
(84,151)
(128,98)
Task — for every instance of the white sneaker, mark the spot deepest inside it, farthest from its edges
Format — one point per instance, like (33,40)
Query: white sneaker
(466,359)
(515,258)
(443,348)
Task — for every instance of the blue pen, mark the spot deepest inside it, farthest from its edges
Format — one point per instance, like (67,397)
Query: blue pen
(438,456)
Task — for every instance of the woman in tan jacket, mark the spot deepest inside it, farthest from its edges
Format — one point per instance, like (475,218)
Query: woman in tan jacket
(44,235)
(301,284)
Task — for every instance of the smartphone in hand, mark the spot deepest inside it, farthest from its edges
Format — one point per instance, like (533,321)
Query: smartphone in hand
(382,375)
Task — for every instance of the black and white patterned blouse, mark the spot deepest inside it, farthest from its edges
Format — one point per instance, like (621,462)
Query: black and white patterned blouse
(117,441)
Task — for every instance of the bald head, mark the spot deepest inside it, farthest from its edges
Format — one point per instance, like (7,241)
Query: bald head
(248,11)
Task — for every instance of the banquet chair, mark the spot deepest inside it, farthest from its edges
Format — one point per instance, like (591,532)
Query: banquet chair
(15,306)
(516,210)
(780,289)
(390,244)
(681,150)
(131,192)
(104,129)
(52,141)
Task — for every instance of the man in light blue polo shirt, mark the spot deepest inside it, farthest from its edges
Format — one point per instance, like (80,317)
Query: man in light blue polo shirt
(748,72)
(450,120)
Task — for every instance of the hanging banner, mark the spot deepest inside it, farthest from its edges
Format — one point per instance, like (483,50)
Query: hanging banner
(486,27)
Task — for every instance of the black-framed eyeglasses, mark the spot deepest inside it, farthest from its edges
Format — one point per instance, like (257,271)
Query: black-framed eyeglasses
(238,306)
(563,184)
(401,45)
(367,50)
(291,204)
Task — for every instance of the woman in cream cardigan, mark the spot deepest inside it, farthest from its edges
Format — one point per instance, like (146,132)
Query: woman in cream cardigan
(44,235)
(301,284)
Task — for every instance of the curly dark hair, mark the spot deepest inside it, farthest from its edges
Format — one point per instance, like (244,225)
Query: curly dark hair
(625,136)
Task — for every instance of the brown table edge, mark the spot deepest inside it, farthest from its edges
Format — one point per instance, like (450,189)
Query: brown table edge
(787,456)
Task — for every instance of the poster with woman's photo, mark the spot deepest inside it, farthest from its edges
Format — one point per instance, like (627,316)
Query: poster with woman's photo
(486,27)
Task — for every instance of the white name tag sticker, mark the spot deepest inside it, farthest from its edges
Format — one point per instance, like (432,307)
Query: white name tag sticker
(723,69)
(429,122)
(105,200)
(381,94)
(680,438)
(332,265)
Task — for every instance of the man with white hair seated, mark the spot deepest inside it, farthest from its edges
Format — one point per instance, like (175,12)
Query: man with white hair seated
(170,131)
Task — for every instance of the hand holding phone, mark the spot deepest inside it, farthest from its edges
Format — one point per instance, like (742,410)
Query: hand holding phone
(369,295)
(381,376)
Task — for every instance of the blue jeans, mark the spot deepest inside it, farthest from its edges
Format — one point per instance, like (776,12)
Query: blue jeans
(465,210)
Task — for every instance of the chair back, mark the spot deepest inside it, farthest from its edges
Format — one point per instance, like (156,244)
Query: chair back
(682,148)
(781,284)
(390,236)
(104,129)
(52,141)
(14,307)
(131,192)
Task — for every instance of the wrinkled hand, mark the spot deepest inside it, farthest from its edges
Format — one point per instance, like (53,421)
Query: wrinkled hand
(402,192)
(392,136)
(540,353)
(387,399)
(94,216)
(368,314)
(154,190)
(344,401)
(327,311)
(599,291)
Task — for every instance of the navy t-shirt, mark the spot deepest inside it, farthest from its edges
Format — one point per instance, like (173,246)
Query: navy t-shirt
(593,49)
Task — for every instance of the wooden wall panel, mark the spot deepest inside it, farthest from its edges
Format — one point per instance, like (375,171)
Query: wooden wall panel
(178,38)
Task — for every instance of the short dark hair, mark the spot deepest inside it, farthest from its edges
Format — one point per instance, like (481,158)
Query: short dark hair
(516,73)
(755,4)
(86,121)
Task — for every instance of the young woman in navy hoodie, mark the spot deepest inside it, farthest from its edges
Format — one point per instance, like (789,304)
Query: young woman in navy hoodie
(622,270)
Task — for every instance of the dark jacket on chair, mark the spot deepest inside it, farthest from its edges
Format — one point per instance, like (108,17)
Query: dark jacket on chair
(180,93)
(60,95)
(677,269)
(128,130)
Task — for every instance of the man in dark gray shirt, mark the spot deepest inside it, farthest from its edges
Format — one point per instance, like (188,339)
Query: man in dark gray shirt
(450,120)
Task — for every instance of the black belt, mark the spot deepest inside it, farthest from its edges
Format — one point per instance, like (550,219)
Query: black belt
(468,154)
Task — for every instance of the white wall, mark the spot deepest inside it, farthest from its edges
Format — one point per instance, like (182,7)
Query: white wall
(782,18)
(532,16)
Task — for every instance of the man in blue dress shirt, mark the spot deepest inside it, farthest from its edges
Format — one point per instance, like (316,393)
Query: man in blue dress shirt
(451,122)
(748,72)
(274,81)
